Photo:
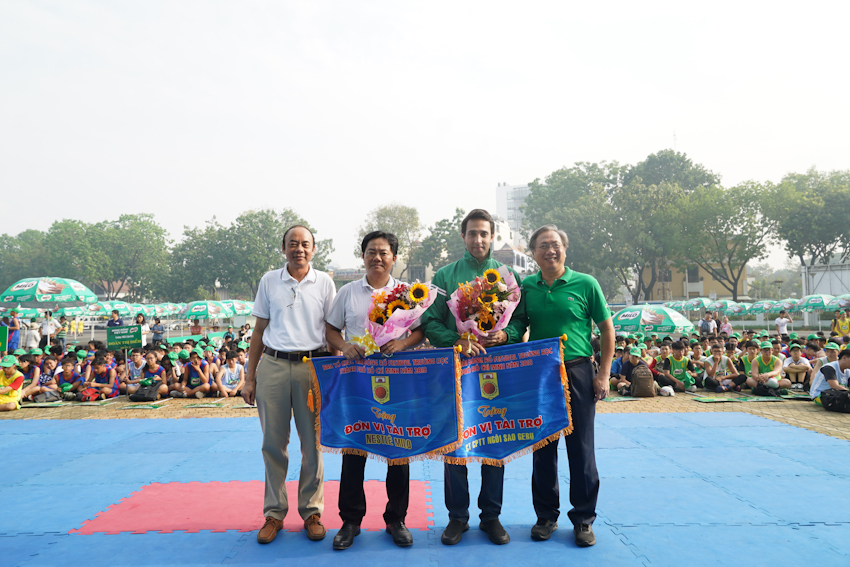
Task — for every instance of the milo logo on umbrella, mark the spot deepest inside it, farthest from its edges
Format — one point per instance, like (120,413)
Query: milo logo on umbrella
(198,308)
(9,298)
(23,285)
(381,389)
(489,385)
(628,315)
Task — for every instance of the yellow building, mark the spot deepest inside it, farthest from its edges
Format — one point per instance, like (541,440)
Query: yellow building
(674,284)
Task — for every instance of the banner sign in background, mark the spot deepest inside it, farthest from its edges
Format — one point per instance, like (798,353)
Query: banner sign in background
(120,338)
(396,408)
(515,399)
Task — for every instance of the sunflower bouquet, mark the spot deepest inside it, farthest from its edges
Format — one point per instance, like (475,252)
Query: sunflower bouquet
(485,304)
(393,312)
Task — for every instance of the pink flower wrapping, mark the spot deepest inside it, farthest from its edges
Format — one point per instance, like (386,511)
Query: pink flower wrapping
(482,303)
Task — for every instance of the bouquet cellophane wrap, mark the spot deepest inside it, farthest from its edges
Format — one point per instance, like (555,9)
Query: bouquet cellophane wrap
(400,321)
(470,326)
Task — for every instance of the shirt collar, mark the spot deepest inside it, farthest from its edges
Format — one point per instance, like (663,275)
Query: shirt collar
(473,261)
(565,277)
(310,277)
(391,283)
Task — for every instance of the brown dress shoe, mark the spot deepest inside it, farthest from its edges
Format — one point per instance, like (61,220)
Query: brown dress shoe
(269,530)
(315,530)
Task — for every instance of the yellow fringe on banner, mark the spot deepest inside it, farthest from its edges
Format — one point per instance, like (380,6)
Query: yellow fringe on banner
(315,387)
(565,381)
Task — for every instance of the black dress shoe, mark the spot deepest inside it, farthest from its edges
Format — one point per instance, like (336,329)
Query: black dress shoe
(542,530)
(495,531)
(345,536)
(454,532)
(401,535)
(584,535)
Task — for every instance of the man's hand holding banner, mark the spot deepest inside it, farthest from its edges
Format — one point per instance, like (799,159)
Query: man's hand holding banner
(409,406)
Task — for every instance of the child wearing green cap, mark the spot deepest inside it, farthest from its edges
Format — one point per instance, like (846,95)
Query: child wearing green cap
(45,382)
(797,368)
(69,380)
(195,377)
(11,383)
(766,370)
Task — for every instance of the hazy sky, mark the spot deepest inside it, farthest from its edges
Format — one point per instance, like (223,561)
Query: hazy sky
(194,109)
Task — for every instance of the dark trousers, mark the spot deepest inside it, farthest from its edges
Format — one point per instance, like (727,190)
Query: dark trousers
(352,498)
(712,383)
(457,491)
(584,478)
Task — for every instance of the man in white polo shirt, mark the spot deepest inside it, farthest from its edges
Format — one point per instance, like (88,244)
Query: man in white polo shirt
(349,313)
(290,307)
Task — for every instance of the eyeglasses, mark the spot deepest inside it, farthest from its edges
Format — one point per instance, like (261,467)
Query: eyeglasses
(544,246)
(383,254)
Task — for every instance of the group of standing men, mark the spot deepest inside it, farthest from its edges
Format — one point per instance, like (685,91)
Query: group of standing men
(300,314)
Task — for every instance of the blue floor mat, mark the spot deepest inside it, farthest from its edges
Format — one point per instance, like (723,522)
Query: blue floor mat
(676,489)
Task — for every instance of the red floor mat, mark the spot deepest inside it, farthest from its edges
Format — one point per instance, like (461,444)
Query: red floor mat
(220,506)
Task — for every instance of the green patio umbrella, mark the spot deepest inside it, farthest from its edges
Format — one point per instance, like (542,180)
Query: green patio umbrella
(814,302)
(740,309)
(651,319)
(70,311)
(762,306)
(721,305)
(678,305)
(23,312)
(839,302)
(696,303)
(205,310)
(788,304)
(48,290)
(238,307)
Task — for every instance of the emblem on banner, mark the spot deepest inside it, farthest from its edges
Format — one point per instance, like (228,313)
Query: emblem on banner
(489,385)
(381,389)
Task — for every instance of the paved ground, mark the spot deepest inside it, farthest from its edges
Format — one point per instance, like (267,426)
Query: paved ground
(803,414)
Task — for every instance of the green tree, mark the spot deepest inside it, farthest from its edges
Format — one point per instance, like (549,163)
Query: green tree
(644,227)
(724,229)
(811,210)
(193,264)
(22,256)
(576,200)
(400,220)
(128,251)
(669,166)
(443,245)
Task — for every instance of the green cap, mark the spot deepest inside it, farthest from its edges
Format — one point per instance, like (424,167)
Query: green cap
(639,334)
(183,355)
(694,342)
(764,334)
(635,351)
(794,336)
(766,344)
(172,356)
(198,351)
(812,337)
(8,361)
(831,346)
(242,345)
(19,352)
(736,335)
(642,345)
(631,336)
(795,345)
(36,351)
(163,347)
(209,349)
(81,354)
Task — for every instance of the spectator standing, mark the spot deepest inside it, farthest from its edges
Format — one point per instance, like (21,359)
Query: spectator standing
(707,326)
(115,320)
(781,323)
(157,329)
(48,328)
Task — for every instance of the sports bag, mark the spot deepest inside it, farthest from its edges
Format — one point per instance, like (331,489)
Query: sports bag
(146,392)
(88,395)
(48,396)
(643,384)
(835,400)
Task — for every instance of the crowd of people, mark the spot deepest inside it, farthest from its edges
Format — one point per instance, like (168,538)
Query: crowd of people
(765,363)
(194,368)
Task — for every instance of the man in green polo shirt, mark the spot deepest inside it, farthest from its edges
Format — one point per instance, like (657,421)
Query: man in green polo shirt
(440,329)
(558,301)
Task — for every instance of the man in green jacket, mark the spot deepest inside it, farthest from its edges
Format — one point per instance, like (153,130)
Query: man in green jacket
(440,328)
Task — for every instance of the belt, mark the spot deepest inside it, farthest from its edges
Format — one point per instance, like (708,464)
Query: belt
(293,356)
(576,361)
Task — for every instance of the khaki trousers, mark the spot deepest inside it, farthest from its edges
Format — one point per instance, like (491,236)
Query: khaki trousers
(282,388)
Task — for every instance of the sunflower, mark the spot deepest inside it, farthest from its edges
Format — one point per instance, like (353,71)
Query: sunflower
(486,322)
(377,316)
(492,276)
(418,292)
(487,298)
(397,304)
